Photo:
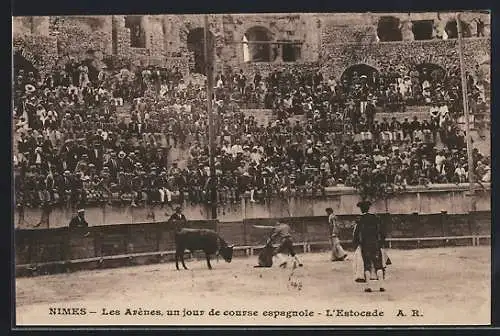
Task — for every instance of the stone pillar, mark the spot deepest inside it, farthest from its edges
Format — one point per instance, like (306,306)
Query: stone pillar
(439,28)
(166,34)
(279,48)
(146,30)
(406,30)
(374,22)
(172,31)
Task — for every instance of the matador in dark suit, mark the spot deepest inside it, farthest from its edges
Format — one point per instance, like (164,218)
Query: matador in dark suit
(370,234)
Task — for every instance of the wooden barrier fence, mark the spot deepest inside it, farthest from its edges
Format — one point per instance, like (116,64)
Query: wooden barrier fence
(61,249)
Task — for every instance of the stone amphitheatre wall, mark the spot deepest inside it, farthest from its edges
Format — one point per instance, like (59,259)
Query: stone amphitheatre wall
(336,41)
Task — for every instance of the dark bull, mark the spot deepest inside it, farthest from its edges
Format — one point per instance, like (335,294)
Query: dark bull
(204,240)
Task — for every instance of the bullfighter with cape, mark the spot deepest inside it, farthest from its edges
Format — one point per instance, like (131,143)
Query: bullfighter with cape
(281,233)
(338,253)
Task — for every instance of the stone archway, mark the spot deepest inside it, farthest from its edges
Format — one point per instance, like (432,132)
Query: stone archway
(257,40)
(360,69)
(423,29)
(196,44)
(389,29)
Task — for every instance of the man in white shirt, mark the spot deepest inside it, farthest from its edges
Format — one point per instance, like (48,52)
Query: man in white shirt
(182,86)
(439,162)
(255,156)
(487,176)
(461,173)
(434,111)
(236,148)
(443,113)
(332,84)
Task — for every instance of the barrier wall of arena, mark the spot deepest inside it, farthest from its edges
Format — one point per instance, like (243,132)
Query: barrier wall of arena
(423,200)
(106,244)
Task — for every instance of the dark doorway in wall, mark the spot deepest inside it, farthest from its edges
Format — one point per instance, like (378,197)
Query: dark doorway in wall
(422,29)
(257,51)
(196,44)
(291,52)
(137,33)
(452,31)
(388,29)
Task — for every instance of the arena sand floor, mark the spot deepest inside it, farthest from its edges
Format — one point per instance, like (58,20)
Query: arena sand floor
(445,285)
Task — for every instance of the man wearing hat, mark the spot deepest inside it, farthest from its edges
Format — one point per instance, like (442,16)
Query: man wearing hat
(281,233)
(178,218)
(79,222)
(338,253)
(369,234)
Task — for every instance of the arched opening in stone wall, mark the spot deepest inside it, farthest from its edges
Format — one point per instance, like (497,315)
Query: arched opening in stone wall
(137,32)
(257,45)
(388,29)
(359,71)
(196,44)
(21,63)
(422,29)
(431,72)
(452,30)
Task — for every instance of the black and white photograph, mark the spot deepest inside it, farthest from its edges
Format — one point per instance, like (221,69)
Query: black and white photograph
(270,169)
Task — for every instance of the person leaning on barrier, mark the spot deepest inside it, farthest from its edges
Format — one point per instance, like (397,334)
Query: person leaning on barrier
(78,222)
(178,219)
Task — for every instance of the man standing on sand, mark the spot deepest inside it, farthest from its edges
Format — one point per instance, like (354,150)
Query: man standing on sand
(369,234)
(338,253)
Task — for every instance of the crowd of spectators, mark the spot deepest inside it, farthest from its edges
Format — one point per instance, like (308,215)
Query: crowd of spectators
(391,89)
(75,145)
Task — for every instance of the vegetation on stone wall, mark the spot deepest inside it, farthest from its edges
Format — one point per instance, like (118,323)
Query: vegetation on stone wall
(338,57)
(41,51)
(74,40)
